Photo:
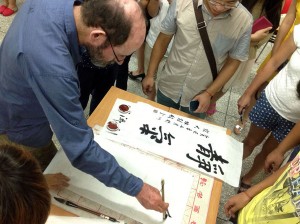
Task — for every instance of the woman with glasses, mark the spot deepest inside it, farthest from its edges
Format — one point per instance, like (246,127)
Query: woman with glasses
(186,75)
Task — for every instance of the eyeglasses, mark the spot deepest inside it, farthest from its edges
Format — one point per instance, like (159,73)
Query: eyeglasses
(116,57)
(226,6)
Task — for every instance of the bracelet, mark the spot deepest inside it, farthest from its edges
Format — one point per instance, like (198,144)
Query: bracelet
(211,96)
(247,195)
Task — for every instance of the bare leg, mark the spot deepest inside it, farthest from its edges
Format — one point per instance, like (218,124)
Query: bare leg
(255,136)
(140,60)
(258,164)
(5,3)
(12,4)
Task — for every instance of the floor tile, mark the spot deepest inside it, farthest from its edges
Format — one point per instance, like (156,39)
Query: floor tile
(218,118)
(222,103)
(2,34)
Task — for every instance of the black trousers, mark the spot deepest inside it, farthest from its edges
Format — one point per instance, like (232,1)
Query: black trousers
(97,81)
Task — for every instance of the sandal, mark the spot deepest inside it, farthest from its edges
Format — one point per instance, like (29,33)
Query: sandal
(9,11)
(211,109)
(243,187)
(2,8)
(238,128)
(134,77)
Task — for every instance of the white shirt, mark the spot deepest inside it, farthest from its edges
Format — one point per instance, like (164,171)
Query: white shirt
(155,23)
(187,70)
(281,91)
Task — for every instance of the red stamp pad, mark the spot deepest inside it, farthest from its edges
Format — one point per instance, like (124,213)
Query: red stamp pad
(112,126)
(123,108)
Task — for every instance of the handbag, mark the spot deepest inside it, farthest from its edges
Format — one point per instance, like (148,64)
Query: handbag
(201,25)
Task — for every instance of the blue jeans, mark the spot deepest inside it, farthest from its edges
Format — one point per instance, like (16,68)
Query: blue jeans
(166,101)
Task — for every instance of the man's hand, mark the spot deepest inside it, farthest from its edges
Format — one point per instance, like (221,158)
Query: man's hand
(273,161)
(204,101)
(57,181)
(235,203)
(147,85)
(150,198)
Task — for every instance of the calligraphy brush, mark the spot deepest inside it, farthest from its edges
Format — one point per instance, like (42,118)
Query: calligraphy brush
(71,204)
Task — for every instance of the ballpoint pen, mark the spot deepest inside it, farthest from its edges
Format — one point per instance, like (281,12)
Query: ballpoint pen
(71,204)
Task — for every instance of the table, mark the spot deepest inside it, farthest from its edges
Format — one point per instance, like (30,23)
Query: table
(99,117)
(59,211)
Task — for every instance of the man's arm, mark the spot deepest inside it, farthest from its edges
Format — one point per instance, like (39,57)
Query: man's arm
(158,52)
(224,75)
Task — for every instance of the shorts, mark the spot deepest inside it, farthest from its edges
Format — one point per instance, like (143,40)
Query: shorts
(263,115)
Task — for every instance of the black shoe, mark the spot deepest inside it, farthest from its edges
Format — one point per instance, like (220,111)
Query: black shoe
(134,77)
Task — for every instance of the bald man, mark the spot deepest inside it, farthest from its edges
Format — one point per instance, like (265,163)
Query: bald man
(39,86)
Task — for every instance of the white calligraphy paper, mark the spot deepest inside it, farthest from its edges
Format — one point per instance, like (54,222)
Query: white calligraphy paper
(177,184)
(193,143)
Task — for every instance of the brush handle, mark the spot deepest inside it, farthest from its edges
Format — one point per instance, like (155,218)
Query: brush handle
(91,211)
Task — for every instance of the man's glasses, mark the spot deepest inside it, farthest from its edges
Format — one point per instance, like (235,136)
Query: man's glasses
(116,57)
(226,6)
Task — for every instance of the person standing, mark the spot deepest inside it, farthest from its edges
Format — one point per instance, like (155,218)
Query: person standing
(39,87)
(258,8)
(273,115)
(187,75)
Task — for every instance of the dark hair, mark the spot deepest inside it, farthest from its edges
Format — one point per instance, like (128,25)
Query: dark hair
(271,7)
(110,16)
(24,196)
(298,89)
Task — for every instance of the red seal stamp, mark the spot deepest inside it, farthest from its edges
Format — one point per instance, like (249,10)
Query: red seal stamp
(112,126)
(123,108)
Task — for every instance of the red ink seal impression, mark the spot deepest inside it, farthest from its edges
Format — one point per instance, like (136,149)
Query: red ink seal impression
(123,108)
(112,126)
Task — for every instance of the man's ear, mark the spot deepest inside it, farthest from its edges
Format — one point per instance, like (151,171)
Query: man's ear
(97,37)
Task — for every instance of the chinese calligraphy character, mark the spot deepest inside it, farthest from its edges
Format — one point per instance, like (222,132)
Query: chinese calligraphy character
(205,130)
(197,208)
(203,181)
(158,136)
(199,194)
(180,120)
(171,116)
(122,119)
(211,155)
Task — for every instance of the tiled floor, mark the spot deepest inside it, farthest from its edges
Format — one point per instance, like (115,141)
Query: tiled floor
(226,115)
